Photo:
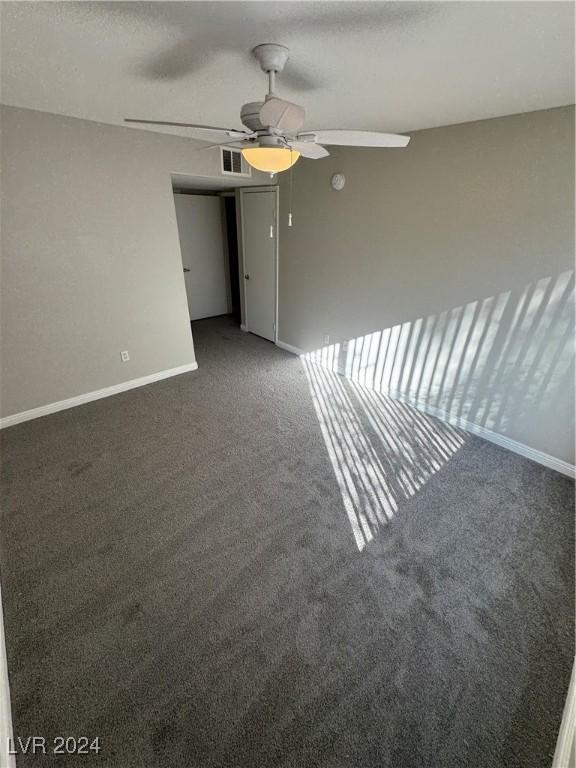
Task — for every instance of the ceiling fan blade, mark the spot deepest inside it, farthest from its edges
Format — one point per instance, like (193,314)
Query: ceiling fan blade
(309,149)
(284,115)
(355,138)
(212,128)
(240,144)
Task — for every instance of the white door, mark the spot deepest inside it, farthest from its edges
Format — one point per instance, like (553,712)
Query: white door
(259,255)
(203,255)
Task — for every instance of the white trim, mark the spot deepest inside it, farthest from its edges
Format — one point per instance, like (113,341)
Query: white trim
(565,744)
(243,328)
(277,292)
(88,397)
(240,232)
(494,437)
(290,348)
(6,736)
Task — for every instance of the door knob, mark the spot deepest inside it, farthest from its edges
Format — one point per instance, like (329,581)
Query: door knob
(246,277)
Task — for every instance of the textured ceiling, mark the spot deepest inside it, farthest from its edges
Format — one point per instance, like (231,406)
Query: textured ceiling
(394,66)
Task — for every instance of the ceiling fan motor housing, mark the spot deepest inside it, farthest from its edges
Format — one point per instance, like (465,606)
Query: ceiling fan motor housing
(272,141)
(250,115)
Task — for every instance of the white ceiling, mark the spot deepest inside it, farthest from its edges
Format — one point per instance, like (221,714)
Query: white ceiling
(395,66)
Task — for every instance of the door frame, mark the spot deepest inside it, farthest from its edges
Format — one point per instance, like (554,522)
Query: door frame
(244,309)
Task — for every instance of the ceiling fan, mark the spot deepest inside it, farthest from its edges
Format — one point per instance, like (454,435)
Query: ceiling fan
(274,141)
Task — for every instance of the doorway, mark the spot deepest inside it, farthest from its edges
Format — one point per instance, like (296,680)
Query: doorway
(209,247)
(231,227)
(229,248)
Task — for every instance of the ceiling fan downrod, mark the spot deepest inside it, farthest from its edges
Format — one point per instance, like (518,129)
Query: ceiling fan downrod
(272,58)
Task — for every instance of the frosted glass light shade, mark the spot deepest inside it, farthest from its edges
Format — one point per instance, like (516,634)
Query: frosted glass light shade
(270,159)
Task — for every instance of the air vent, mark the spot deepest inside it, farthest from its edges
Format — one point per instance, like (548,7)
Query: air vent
(233,164)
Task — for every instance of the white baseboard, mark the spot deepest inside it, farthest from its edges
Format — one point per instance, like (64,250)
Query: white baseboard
(88,397)
(290,348)
(487,434)
(6,759)
(494,437)
(564,757)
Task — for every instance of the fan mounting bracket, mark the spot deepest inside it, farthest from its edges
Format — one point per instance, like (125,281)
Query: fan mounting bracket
(272,57)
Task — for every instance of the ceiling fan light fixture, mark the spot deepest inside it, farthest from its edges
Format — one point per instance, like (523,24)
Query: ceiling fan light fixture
(270,159)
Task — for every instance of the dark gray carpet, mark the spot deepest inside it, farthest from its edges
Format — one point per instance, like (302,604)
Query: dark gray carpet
(181,578)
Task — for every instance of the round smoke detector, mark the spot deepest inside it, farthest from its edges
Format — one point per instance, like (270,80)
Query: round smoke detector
(337,181)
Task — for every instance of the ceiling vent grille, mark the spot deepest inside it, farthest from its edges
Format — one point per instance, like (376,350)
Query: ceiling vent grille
(232,163)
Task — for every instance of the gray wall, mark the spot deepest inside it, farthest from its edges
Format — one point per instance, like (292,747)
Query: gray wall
(91,261)
(443,272)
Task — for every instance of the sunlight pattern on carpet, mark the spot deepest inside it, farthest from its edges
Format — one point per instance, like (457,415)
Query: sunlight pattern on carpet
(382,451)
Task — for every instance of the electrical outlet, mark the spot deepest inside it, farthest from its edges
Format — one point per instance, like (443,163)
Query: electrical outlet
(125,356)
(326,339)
